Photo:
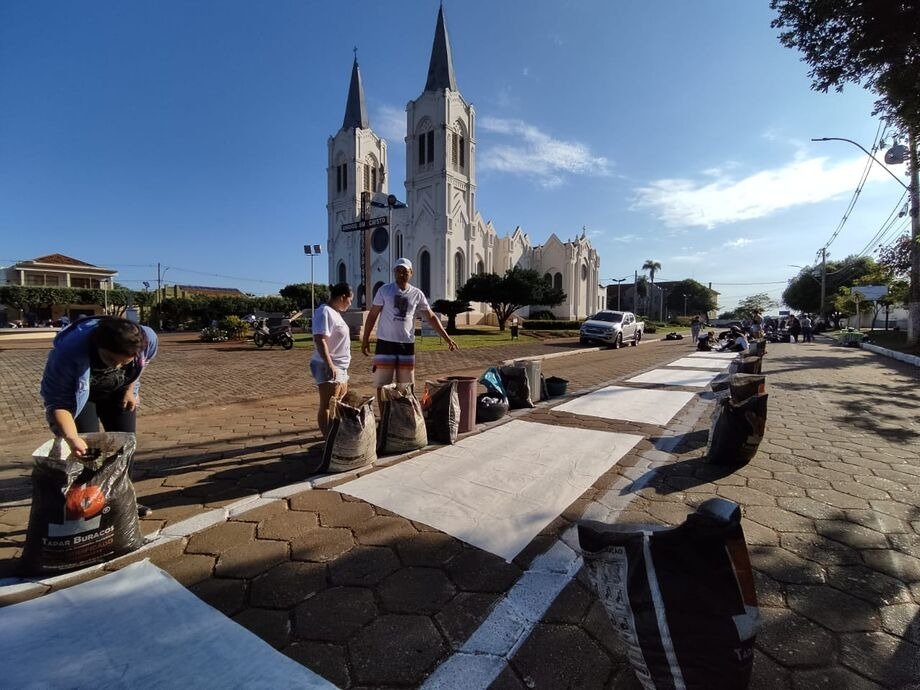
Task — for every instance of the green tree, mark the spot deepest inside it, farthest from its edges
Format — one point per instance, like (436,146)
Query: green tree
(299,294)
(874,43)
(518,288)
(700,299)
(896,256)
(749,307)
(451,308)
(804,291)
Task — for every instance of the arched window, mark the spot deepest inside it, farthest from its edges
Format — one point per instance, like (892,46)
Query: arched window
(424,139)
(557,281)
(343,275)
(480,267)
(398,245)
(459,279)
(377,286)
(547,278)
(370,174)
(341,174)
(584,271)
(424,272)
(458,146)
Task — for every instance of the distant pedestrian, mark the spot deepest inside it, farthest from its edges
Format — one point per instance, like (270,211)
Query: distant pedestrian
(807,329)
(795,328)
(737,341)
(695,327)
(756,329)
(93,374)
(396,304)
(332,351)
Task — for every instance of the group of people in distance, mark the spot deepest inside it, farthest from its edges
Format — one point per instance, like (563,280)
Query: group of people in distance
(93,371)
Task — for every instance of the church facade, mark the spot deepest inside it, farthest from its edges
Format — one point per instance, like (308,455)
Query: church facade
(439,227)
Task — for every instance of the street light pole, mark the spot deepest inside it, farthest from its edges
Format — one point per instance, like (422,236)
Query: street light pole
(896,155)
(312,251)
(685,304)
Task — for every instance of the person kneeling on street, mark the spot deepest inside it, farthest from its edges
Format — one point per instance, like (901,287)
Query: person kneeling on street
(737,342)
(706,342)
(93,374)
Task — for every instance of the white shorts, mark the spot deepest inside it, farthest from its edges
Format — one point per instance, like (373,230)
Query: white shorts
(322,373)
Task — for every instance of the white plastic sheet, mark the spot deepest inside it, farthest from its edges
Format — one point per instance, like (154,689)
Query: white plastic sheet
(676,377)
(629,404)
(136,628)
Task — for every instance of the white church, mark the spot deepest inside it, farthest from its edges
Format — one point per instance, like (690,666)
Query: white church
(439,228)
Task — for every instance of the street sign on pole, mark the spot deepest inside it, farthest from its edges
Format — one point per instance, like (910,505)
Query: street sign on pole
(364,224)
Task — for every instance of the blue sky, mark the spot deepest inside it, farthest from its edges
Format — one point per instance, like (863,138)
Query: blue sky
(194,133)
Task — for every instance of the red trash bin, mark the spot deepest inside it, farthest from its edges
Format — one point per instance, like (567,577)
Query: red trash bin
(466,391)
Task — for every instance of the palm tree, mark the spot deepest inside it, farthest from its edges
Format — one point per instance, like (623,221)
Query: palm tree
(652,267)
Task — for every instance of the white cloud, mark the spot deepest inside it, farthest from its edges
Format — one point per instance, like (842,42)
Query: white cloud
(534,153)
(684,202)
(390,123)
(525,72)
(624,238)
(740,242)
(692,258)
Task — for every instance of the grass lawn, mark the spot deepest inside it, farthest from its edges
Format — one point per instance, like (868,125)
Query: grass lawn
(892,340)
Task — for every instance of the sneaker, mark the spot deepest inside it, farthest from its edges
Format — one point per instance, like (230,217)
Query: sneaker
(144,511)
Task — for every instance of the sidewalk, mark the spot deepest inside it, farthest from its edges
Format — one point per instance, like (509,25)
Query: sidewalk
(366,597)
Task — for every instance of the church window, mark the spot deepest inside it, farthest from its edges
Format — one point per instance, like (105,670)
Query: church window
(557,281)
(374,179)
(430,151)
(367,179)
(480,267)
(454,149)
(462,152)
(547,278)
(424,269)
(338,180)
(343,277)
(421,149)
(398,244)
(426,147)
(458,270)
(584,271)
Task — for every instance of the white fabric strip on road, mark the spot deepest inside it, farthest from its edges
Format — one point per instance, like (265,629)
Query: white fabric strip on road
(137,628)
(700,363)
(676,377)
(715,355)
(498,489)
(629,404)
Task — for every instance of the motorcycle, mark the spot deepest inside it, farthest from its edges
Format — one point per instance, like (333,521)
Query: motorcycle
(274,335)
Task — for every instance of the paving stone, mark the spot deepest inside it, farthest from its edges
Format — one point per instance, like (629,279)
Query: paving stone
(755,533)
(346,514)
(854,536)
(818,549)
(883,484)
(571,605)
(880,522)
(902,511)
(785,567)
(288,526)
(894,563)
(316,501)
(334,614)
(478,571)
(800,480)
(832,608)
(263,512)
(769,592)
(775,487)
(884,658)
(460,617)
(779,519)
(837,499)
(227,596)
(902,620)
(556,656)
(906,543)
(287,584)
(189,569)
(415,590)
(249,560)
(598,625)
(396,649)
(322,544)
(272,626)
(328,660)
(831,679)
(810,508)
(221,537)
(430,549)
(508,680)
(363,566)
(383,530)
(859,489)
(746,497)
(868,584)
(767,674)
(792,640)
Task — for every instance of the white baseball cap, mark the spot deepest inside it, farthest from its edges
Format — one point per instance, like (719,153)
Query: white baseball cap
(403,263)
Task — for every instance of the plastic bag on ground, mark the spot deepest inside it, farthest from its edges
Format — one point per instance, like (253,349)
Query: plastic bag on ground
(492,380)
(441,409)
(352,438)
(84,510)
(682,599)
(402,424)
(737,429)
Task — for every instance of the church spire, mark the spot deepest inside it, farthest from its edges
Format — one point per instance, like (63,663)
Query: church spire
(441,67)
(355,110)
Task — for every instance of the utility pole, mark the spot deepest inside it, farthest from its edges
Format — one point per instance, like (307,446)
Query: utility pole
(913,319)
(823,284)
(635,290)
(159,296)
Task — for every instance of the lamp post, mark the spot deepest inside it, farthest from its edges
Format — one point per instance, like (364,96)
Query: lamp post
(618,281)
(899,154)
(685,303)
(312,251)
(105,295)
(160,275)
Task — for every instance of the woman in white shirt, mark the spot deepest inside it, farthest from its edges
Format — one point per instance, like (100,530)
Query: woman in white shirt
(332,351)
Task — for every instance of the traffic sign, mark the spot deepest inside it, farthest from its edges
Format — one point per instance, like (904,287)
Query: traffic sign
(364,224)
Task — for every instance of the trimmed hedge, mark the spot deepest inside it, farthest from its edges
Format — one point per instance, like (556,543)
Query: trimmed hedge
(540,325)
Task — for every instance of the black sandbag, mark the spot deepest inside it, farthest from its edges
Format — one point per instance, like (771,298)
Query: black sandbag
(743,386)
(352,438)
(737,430)
(402,424)
(517,386)
(84,510)
(441,409)
(490,408)
(681,599)
(758,348)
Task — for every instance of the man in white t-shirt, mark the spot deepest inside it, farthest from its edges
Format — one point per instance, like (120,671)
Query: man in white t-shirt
(332,351)
(394,309)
